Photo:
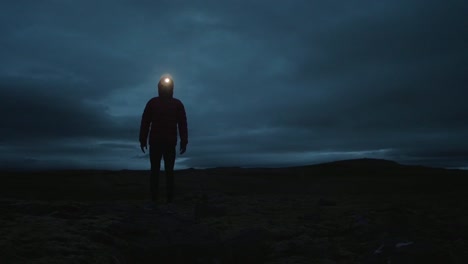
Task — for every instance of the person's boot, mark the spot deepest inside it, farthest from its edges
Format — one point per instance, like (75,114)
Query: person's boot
(154,187)
(170,206)
(154,192)
(170,187)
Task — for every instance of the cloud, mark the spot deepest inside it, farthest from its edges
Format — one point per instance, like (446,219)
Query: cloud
(262,82)
(35,110)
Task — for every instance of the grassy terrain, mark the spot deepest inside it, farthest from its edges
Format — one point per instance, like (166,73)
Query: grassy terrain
(332,213)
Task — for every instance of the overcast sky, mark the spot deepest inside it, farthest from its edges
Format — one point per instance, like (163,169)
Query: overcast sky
(264,83)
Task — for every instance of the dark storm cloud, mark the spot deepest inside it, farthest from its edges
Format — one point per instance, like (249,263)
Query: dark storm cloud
(37,109)
(389,79)
(263,82)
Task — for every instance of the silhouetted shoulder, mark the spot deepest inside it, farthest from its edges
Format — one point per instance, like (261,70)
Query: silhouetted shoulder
(178,101)
(152,100)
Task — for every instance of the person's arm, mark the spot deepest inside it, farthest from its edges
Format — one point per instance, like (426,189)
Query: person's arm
(144,127)
(182,124)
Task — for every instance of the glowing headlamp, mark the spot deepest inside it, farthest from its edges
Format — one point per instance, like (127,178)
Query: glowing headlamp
(166,80)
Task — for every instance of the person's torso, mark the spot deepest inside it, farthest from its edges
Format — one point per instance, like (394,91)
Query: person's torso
(164,117)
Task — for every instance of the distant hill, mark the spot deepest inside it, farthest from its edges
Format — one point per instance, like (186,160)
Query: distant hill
(365,167)
(365,162)
(351,165)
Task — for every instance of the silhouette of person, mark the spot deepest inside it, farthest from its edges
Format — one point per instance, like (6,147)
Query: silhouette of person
(165,114)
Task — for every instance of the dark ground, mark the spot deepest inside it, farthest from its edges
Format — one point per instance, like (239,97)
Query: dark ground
(359,211)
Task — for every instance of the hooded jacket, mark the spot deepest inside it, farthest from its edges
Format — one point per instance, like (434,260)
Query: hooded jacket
(164,114)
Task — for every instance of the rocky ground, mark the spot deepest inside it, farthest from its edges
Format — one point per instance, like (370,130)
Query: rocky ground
(337,213)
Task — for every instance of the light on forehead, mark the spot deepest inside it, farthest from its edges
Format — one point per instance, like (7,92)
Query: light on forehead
(167,80)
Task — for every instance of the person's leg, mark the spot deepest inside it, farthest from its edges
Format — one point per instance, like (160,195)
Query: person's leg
(155,158)
(169,160)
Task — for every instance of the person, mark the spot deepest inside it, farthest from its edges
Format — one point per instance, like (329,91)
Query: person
(164,114)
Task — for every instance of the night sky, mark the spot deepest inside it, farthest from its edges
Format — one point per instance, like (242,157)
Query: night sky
(264,83)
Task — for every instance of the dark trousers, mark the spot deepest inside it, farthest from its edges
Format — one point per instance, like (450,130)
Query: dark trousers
(168,153)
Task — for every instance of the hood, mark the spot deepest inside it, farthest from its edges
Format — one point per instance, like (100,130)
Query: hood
(165,91)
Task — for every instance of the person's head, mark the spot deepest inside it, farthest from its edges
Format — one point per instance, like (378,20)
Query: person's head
(166,86)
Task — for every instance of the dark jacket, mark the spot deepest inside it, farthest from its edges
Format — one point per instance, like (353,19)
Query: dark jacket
(164,113)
